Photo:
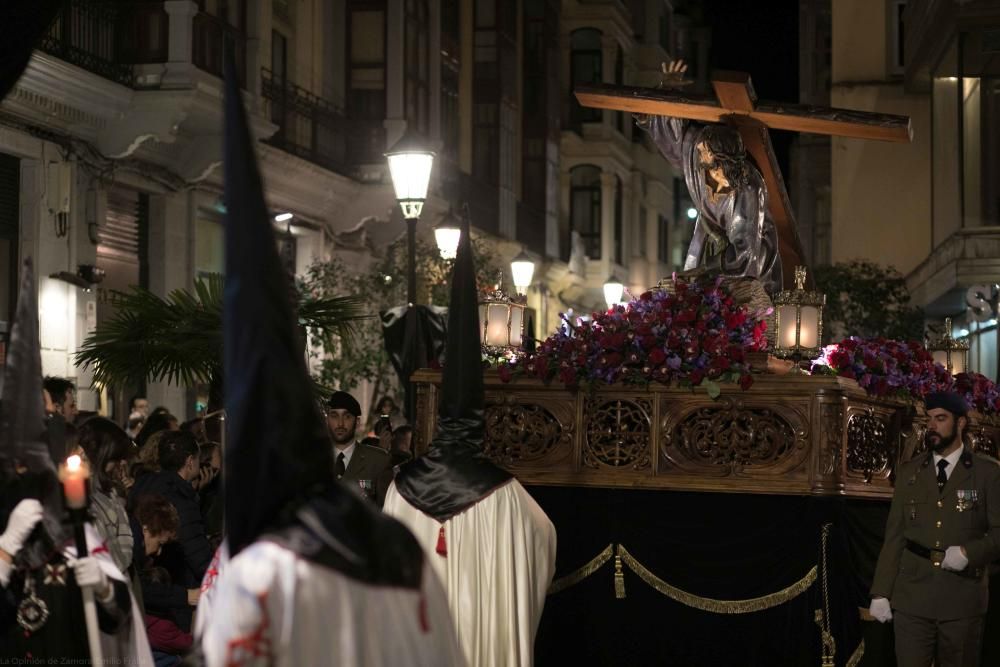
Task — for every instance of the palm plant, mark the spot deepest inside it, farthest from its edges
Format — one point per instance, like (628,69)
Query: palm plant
(178,339)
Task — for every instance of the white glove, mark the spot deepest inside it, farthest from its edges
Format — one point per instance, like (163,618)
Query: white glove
(954,559)
(21,522)
(881,610)
(88,572)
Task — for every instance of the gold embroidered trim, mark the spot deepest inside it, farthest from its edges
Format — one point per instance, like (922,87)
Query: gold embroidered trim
(572,579)
(718,606)
(855,658)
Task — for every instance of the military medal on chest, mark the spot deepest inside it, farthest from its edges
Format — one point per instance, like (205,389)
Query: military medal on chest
(966,499)
(32,612)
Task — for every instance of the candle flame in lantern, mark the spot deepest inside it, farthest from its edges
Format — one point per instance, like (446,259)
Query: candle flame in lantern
(73,463)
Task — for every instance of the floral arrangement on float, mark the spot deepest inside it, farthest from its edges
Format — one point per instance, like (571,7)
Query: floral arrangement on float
(694,334)
(904,370)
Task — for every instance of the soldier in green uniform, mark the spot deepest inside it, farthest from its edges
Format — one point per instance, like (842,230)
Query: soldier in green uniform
(942,532)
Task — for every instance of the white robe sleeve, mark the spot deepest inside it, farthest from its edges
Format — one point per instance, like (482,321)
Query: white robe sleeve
(500,561)
(129,646)
(271,607)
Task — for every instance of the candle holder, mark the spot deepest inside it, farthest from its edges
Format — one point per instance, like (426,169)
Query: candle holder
(798,321)
(501,321)
(951,353)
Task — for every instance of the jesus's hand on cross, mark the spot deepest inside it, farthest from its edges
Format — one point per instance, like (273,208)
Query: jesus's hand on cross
(673,74)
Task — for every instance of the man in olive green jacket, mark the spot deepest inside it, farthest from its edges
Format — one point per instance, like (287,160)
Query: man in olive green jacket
(942,532)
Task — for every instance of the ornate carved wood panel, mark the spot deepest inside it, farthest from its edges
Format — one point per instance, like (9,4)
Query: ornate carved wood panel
(732,437)
(786,434)
(523,432)
(618,433)
(870,449)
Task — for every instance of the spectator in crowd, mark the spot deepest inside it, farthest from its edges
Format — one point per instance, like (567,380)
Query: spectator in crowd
(108,450)
(155,523)
(63,396)
(166,639)
(158,421)
(209,487)
(196,427)
(179,465)
(139,404)
(402,445)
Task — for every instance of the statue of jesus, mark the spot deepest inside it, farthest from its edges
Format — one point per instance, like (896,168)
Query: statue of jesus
(734,234)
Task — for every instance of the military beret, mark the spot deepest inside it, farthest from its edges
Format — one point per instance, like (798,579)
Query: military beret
(341,400)
(947,400)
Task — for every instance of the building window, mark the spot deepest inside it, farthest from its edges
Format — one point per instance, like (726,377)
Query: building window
(639,247)
(665,32)
(585,207)
(417,65)
(663,240)
(366,80)
(485,142)
(896,43)
(619,80)
(450,68)
(619,223)
(586,62)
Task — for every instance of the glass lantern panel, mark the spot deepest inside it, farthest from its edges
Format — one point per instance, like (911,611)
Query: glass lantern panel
(809,326)
(411,172)
(786,327)
(516,325)
(957,361)
(940,357)
(496,328)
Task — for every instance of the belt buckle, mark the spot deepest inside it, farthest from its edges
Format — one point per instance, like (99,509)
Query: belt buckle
(937,556)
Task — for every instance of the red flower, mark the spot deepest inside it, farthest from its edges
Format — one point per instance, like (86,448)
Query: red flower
(746,380)
(504,372)
(697,375)
(657,356)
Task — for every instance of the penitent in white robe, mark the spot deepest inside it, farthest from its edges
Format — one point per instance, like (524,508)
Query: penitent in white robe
(501,555)
(272,607)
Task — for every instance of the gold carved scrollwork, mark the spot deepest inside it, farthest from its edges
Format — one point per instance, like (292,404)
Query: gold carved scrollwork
(521,432)
(733,436)
(617,433)
(869,449)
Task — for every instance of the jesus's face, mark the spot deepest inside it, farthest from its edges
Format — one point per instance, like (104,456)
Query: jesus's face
(716,176)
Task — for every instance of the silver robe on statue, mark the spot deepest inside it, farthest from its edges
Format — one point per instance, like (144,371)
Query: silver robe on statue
(738,213)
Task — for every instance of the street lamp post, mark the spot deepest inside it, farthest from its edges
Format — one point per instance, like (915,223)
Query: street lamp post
(410,167)
(613,290)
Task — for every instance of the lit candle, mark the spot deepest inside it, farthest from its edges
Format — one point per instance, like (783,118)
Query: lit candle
(74,474)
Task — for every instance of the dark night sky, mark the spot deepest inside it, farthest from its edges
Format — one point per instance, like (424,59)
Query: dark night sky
(761,38)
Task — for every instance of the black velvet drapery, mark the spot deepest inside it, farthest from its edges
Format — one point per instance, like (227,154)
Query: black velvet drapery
(714,545)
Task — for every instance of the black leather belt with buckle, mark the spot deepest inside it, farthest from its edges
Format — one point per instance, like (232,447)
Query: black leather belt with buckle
(934,555)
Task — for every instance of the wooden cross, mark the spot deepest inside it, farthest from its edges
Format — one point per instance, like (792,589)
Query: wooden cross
(737,105)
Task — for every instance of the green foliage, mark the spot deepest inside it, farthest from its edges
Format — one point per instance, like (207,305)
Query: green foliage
(381,287)
(179,338)
(866,299)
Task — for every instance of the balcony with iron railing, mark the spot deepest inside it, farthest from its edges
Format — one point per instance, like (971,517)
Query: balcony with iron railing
(111,38)
(308,125)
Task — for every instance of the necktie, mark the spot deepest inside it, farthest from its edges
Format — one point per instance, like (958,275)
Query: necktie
(341,468)
(942,478)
